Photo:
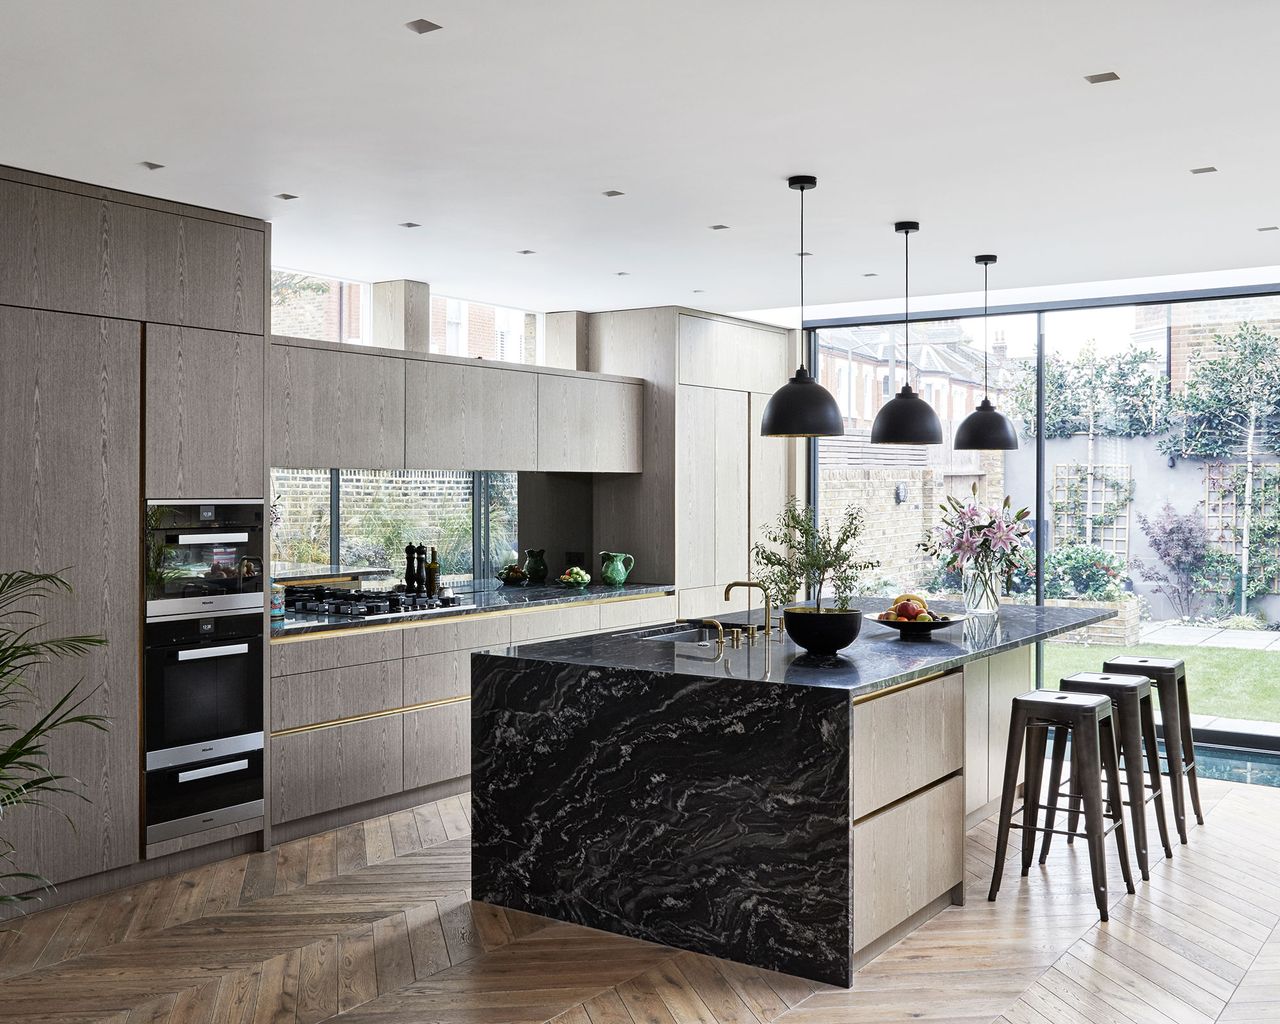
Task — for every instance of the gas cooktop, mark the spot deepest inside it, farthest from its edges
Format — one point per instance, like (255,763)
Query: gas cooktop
(335,604)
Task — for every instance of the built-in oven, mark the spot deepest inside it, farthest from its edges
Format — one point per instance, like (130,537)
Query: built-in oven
(203,556)
(202,721)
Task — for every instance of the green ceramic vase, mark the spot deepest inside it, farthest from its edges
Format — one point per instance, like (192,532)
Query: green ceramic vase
(535,565)
(615,567)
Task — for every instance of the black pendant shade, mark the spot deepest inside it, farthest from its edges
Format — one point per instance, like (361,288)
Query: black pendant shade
(906,418)
(986,428)
(802,407)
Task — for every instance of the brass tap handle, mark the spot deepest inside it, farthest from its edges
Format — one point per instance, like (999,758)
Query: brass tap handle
(752,630)
(752,585)
(735,637)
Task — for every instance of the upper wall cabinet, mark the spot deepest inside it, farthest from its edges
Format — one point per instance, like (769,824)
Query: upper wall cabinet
(331,407)
(84,254)
(204,413)
(204,274)
(725,354)
(587,425)
(467,416)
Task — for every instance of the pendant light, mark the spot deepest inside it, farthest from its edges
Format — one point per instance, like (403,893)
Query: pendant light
(985,429)
(802,407)
(906,418)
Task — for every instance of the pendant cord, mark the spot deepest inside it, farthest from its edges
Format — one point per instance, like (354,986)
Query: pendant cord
(803,346)
(985,341)
(906,304)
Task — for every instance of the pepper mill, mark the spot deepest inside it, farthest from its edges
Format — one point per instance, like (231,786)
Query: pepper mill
(420,577)
(410,570)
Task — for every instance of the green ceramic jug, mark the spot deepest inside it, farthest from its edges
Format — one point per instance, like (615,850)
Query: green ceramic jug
(615,567)
(535,565)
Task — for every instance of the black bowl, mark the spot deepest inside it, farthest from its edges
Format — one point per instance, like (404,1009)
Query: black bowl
(824,632)
(918,631)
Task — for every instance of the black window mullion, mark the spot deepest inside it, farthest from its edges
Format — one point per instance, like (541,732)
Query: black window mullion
(335,516)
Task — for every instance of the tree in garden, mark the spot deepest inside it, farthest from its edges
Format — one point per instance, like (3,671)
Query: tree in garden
(287,286)
(1230,408)
(1191,568)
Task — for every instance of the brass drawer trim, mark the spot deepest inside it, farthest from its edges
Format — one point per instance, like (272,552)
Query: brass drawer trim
(333,723)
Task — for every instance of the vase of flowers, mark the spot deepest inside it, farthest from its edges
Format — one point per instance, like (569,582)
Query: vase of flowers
(984,543)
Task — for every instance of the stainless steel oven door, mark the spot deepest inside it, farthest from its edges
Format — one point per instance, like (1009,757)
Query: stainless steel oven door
(203,556)
(194,797)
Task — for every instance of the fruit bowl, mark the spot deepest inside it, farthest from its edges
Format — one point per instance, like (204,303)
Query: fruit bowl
(917,631)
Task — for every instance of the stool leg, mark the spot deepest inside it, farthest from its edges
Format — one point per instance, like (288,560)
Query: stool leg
(1153,771)
(1013,755)
(1074,804)
(1111,762)
(1060,733)
(1188,748)
(1031,794)
(1085,746)
(1130,737)
(1170,718)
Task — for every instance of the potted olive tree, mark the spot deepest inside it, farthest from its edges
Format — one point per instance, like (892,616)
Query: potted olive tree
(26,777)
(798,552)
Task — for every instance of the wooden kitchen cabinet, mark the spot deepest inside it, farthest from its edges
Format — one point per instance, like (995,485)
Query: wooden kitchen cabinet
(469,416)
(325,769)
(310,698)
(768,488)
(202,273)
(435,677)
(70,414)
(352,647)
(712,470)
(331,407)
(530,626)
(437,744)
(589,425)
(1009,674)
(203,413)
(977,733)
(727,354)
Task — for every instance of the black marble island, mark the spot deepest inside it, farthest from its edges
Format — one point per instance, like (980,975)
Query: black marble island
(753,803)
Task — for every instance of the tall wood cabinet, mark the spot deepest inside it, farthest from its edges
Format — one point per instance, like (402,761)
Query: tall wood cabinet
(70,405)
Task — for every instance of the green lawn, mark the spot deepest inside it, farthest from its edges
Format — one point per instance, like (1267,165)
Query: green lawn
(1222,681)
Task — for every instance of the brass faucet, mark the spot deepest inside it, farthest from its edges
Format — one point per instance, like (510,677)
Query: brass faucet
(768,603)
(709,622)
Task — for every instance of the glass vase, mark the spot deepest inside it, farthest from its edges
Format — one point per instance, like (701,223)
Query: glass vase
(980,584)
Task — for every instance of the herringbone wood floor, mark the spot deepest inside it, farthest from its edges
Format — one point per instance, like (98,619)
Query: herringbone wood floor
(373,923)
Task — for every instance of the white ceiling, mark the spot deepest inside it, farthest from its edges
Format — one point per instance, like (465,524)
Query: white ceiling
(500,132)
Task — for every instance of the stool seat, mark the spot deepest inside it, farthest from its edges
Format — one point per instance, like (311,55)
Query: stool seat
(1055,703)
(1135,729)
(1169,677)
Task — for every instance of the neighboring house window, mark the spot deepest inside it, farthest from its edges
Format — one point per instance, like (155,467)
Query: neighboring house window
(319,308)
(455,327)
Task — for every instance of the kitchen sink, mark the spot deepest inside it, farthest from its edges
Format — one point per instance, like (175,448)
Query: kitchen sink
(697,635)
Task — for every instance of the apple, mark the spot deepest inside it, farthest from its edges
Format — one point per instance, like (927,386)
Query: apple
(908,610)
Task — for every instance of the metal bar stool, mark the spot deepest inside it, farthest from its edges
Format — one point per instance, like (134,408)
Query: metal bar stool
(1135,727)
(1170,678)
(1087,717)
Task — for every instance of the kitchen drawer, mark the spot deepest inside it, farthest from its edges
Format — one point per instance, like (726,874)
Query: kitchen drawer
(906,740)
(638,612)
(465,632)
(324,769)
(437,677)
(906,857)
(311,697)
(353,647)
(437,744)
(555,622)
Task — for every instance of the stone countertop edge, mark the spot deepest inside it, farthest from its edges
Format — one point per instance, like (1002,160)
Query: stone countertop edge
(887,661)
(503,599)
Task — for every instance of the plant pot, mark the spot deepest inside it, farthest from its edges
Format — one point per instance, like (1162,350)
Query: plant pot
(822,632)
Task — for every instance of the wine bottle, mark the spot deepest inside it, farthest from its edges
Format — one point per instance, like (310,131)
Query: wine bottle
(433,575)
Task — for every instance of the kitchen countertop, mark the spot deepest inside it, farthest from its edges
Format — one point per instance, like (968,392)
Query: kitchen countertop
(875,661)
(474,602)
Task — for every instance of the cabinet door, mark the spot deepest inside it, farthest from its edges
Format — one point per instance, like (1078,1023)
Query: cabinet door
(768,487)
(587,425)
(976,736)
(313,697)
(334,408)
(724,354)
(531,626)
(437,744)
(204,274)
(729,528)
(470,417)
(325,769)
(696,487)
(70,252)
(204,413)
(69,484)
(437,677)
(1010,674)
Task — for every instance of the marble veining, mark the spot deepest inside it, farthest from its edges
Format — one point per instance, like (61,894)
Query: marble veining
(667,807)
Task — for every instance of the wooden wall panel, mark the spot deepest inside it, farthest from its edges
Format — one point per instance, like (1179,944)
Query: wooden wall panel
(464,416)
(326,769)
(70,413)
(976,735)
(1011,673)
(696,487)
(769,485)
(204,413)
(728,527)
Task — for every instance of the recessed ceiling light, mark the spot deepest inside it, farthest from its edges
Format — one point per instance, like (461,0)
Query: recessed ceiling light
(285,195)
(1106,76)
(151,166)
(622,273)
(524,252)
(410,224)
(1270,227)
(612,193)
(872,274)
(719,227)
(421,26)
(698,291)
(1204,170)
